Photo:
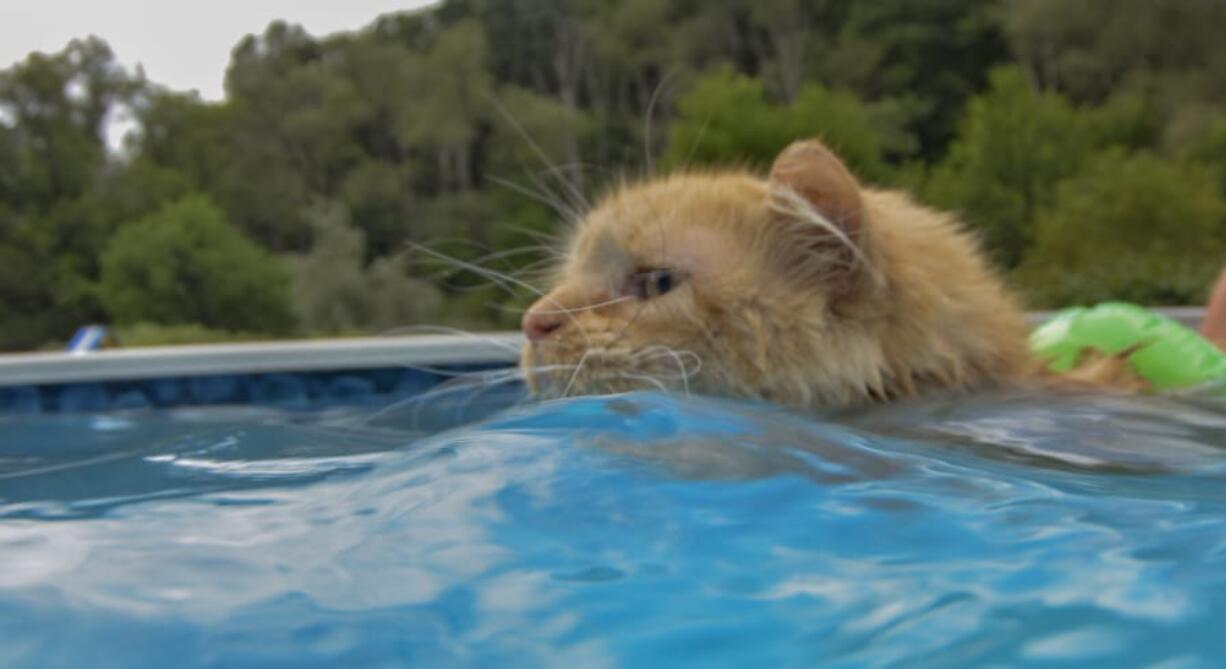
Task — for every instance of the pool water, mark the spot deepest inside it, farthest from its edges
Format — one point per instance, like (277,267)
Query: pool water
(636,530)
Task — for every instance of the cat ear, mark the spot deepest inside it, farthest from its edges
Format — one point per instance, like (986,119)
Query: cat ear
(811,171)
(816,203)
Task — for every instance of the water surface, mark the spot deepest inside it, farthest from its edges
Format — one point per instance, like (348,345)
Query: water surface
(636,530)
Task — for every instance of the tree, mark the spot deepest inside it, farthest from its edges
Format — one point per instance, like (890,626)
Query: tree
(1013,147)
(185,264)
(1131,227)
(725,118)
(444,126)
(450,84)
(1210,151)
(929,57)
(1093,49)
(334,290)
(53,203)
(529,142)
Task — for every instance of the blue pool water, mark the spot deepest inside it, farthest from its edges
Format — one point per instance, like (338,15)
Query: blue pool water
(636,530)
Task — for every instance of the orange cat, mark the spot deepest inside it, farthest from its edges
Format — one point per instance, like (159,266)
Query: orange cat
(804,288)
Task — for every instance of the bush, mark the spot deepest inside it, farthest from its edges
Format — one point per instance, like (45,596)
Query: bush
(1132,227)
(1014,146)
(1210,151)
(725,118)
(334,291)
(149,334)
(185,264)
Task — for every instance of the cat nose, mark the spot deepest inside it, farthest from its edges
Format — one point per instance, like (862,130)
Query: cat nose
(539,322)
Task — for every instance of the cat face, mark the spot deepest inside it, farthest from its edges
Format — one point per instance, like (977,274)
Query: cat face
(703,282)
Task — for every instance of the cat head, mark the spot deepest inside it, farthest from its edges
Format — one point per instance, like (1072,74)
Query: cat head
(719,283)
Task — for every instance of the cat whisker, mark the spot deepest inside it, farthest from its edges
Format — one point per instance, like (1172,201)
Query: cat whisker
(483,389)
(480,382)
(689,155)
(543,268)
(573,166)
(488,257)
(563,209)
(538,151)
(588,307)
(574,310)
(501,278)
(674,353)
(563,173)
(439,390)
(573,208)
(678,356)
(517,251)
(575,374)
(448,388)
(647,118)
(543,238)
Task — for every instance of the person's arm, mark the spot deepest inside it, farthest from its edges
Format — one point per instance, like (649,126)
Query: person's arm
(1214,325)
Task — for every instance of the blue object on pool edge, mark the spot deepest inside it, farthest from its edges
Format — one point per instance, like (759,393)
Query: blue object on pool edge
(87,338)
(635,530)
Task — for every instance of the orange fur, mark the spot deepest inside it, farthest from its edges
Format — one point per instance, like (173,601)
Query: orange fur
(803,288)
(1097,370)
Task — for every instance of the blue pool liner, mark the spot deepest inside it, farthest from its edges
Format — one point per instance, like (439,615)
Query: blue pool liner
(285,390)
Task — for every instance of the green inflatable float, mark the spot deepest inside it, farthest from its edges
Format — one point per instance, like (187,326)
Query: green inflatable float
(1169,355)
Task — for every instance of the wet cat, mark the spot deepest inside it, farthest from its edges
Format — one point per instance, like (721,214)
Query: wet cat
(804,288)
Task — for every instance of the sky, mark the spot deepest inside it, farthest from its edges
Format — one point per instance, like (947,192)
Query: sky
(182,45)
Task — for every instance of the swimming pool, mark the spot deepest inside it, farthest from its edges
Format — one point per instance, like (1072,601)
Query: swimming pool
(473,529)
(628,531)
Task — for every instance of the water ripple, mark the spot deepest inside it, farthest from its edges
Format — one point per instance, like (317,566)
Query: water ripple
(638,530)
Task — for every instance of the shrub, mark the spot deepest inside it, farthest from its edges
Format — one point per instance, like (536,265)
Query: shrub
(1131,227)
(335,291)
(726,118)
(186,264)
(149,334)
(1013,147)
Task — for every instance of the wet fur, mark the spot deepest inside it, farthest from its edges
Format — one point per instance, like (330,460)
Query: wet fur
(802,288)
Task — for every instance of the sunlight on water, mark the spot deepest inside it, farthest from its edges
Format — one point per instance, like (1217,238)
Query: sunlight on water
(636,530)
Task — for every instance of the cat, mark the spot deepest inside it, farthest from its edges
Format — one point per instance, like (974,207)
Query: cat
(804,288)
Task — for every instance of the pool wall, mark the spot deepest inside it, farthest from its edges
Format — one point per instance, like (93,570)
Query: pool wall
(284,374)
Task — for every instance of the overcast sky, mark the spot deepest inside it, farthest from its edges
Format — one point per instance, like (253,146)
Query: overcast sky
(183,45)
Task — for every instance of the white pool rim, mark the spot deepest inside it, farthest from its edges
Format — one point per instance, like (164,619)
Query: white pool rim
(260,358)
(486,348)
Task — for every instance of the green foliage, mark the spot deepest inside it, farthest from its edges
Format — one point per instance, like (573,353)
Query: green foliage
(335,290)
(185,264)
(1125,120)
(474,128)
(1014,146)
(528,129)
(926,57)
(725,118)
(151,334)
(1210,152)
(1131,227)
(53,212)
(1093,49)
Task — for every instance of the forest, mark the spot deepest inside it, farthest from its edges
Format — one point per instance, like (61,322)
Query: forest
(418,173)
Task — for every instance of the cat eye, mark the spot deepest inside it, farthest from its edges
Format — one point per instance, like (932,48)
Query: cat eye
(652,283)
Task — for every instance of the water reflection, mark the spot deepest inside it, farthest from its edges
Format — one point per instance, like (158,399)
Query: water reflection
(643,529)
